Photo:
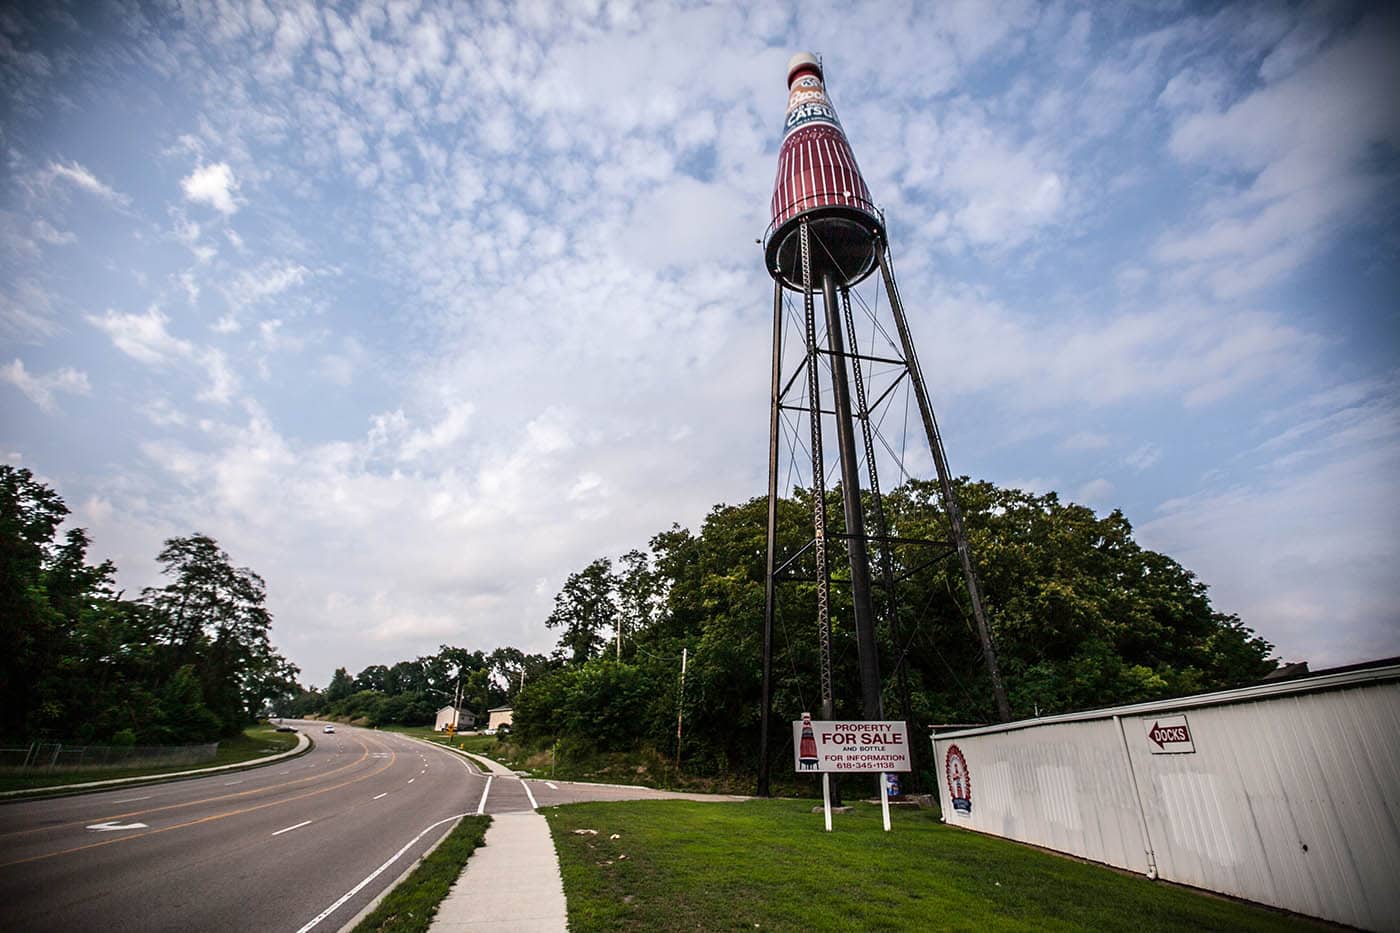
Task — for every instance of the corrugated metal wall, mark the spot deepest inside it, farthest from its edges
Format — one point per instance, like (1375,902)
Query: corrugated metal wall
(1291,796)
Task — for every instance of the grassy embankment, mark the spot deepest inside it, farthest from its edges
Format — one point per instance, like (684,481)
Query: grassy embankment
(477,744)
(256,742)
(768,864)
(413,902)
(569,763)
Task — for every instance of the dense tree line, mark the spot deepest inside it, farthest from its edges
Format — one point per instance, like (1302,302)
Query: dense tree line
(411,692)
(189,661)
(1082,616)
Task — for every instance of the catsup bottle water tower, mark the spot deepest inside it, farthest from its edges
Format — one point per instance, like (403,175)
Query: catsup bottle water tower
(827,236)
(819,186)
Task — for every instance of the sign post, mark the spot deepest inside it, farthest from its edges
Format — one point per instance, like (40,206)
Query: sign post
(884,802)
(850,747)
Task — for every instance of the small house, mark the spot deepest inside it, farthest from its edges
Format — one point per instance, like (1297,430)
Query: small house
(453,716)
(499,716)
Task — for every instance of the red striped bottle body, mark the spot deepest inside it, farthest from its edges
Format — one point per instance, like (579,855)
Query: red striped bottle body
(819,180)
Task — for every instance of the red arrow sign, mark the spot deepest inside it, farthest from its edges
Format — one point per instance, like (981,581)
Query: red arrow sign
(1163,734)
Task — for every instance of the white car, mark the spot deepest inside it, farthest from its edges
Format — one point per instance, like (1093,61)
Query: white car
(328,728)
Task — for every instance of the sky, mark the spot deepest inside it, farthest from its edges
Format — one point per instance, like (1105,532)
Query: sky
(418,307)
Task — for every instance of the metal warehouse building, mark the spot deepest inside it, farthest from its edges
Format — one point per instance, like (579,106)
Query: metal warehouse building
(1284,793)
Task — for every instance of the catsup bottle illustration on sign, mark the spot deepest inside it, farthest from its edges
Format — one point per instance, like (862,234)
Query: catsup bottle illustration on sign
(807,745)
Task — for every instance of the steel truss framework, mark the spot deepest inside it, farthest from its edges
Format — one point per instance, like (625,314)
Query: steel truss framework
(800,392)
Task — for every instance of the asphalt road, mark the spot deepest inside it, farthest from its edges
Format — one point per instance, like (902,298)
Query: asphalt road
(291,846)
(272,848)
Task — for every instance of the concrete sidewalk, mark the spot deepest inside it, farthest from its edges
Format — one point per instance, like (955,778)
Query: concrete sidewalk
(511,883)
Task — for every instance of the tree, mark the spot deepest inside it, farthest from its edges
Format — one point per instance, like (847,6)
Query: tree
(30,515)
(1082,616)
(373,677)
(83,664)
(637,597)
(584,608)
(341,686)
(212,615)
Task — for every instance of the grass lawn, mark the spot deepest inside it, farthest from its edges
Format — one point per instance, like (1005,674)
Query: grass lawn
(256,742)
(477,744)
(411,905)
(768,864)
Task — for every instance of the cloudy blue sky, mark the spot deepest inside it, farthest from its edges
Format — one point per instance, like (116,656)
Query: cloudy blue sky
(418,307)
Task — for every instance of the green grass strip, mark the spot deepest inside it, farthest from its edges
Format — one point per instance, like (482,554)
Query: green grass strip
(255,742)
(768,864)
(413,902)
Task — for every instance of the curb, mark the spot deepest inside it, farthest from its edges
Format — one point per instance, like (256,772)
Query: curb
(304,745)
(403,876)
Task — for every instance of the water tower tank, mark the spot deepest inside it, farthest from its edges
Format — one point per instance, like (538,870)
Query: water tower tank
(819,181)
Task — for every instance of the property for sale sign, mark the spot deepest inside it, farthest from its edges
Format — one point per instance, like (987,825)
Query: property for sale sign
(849,746)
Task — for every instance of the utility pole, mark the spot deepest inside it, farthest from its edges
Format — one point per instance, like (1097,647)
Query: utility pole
(680,707)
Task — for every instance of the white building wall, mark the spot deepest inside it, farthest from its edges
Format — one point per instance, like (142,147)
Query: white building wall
(1290,798)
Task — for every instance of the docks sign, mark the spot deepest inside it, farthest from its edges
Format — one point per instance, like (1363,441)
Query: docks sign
(1170,735)
(849,746)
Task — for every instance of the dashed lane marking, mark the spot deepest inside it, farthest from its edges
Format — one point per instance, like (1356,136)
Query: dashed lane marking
(385,794)
(290,828)
(551,785)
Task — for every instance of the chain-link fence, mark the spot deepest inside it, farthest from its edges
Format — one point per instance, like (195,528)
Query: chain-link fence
(43,756)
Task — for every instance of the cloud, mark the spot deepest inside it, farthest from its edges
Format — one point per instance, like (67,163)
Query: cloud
(1304,145)
(40,389)
(1096,492)
(143,336)
(26,311)
(1303,546)
(1198,354)
(45,231)
(268,280)
(1085,440)
(74,173)
(213,185)
(502,276)
(1143,457)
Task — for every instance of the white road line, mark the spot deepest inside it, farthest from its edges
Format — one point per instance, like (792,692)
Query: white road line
(411,780)
(385,794)
(481,807)
(290,828)
(133,799)
(551,785)
(231,783)
(533,804)
(375,874)
(111,825)
(284,772)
